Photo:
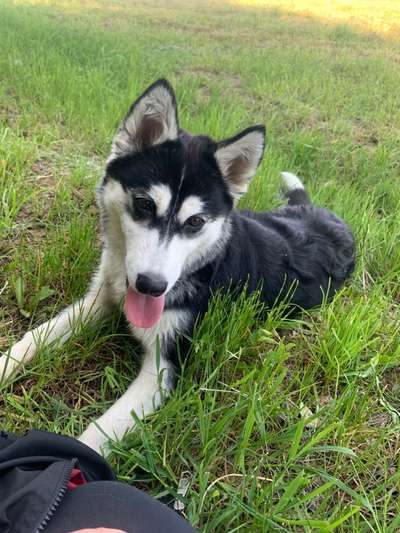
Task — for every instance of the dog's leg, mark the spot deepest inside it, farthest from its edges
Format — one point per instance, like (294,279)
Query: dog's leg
(145,394)
(94,305)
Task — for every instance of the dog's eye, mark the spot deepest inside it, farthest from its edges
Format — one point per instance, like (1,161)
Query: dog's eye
(143,204)
(195,222)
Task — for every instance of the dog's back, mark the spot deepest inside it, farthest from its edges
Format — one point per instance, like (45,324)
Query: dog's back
(299,250)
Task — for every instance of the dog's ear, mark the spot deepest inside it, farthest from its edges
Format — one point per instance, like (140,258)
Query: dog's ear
(239,157)
(151,120)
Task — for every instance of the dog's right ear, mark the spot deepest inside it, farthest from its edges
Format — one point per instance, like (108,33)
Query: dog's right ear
(151,120)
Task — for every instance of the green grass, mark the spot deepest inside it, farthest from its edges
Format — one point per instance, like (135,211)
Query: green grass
(283,426)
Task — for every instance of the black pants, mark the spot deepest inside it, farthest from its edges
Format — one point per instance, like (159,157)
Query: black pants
(114,505)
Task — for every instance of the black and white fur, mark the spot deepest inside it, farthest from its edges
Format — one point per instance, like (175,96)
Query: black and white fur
(167,208)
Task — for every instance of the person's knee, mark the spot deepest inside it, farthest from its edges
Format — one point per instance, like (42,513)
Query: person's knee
(98,530)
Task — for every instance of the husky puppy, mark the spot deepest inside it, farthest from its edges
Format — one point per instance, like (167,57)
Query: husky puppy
(171,236)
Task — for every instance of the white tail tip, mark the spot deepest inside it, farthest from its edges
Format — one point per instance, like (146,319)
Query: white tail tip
(291,181)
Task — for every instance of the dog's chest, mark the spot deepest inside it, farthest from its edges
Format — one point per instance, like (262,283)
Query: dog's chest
(171,323)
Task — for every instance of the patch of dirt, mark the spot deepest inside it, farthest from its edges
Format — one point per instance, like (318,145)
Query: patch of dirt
(210,74)
(42,176)
(230,85)
(379,420)
(43,171)
(46,180)
(8,113)
(364,135)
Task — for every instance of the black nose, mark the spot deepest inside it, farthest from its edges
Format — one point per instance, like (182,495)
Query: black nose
(151,284)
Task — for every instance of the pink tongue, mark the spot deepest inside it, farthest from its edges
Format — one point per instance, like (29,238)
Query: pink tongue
(143,310)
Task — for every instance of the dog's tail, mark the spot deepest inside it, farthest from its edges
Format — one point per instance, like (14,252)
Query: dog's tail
(294,190)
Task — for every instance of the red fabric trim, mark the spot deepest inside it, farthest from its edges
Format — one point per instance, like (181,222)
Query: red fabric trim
(76,479)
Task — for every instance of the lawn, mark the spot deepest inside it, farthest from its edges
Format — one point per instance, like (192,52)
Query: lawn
(282,425)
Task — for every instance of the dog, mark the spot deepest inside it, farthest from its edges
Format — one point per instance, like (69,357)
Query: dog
(172,237)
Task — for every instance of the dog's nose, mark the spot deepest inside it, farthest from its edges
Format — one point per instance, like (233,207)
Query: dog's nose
(151,284)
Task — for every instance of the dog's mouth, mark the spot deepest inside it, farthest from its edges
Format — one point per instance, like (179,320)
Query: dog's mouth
(143,310)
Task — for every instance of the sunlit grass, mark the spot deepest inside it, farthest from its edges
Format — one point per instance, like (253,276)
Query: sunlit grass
(380,16)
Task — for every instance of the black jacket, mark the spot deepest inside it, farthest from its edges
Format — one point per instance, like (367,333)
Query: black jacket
(34,473)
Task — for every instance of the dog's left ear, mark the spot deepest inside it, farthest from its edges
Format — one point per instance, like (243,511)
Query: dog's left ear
(151,120)
(239,157)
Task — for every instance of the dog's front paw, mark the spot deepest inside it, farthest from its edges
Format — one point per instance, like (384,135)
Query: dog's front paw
(5,368)
(95,439)
(23,351)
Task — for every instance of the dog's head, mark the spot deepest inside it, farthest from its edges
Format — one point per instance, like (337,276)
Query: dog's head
(172,194)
